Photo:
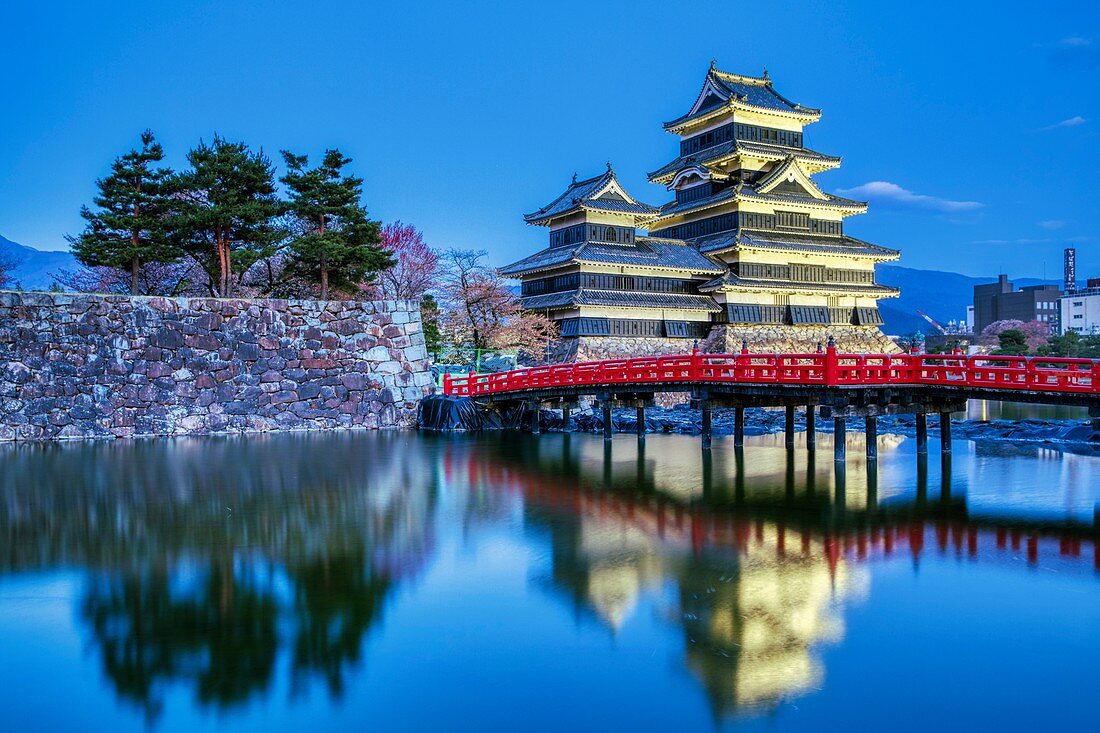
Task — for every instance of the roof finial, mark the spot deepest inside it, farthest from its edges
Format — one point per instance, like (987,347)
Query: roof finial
(609,166)
(574,176)
(766,77)
(713,63)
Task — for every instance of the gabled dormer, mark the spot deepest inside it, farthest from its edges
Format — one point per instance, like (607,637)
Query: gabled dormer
(596,209)
(790,178)
(724,93)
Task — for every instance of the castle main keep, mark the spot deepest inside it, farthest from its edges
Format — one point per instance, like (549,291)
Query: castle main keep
(750,248)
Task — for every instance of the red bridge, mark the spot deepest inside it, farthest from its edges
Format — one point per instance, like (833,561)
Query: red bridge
(840,385)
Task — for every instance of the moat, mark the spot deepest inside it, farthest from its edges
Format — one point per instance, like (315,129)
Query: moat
(403,581)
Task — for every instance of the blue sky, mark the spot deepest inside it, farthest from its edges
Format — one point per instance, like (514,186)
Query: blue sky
(971,128)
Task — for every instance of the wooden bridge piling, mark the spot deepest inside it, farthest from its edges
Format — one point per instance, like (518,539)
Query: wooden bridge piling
(922,433)
(945,432)
(706,420)
(839,439)
(788,427)
(533,408)
(871,433)
(566,408)
(640,412)
(811,427)
(739,425)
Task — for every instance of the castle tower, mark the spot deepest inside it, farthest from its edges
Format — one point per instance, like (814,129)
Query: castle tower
(744,196)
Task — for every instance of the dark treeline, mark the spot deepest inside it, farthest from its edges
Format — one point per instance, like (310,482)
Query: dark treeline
(222,228)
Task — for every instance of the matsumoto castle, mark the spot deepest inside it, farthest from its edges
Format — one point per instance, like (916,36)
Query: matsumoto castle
(750,248)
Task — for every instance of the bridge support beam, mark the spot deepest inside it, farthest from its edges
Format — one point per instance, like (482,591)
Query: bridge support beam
(922,433)
(945,432)
(704,405)
(739,426)
(566,409)
(533,406)
(839,439)
(811,427)
(640,408)
(788,427)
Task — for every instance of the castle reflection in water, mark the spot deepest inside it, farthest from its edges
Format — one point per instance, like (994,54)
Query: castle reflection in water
(206,562)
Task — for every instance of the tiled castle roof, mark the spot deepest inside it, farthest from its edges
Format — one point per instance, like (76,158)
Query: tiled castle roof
(586,194)
(751,91)
(731,148)
(645,252)
(792,242)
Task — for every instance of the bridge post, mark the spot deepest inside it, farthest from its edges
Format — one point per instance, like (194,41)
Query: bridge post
(606,405)
(640,407)
(811,427)
(566,408)
(739,426)
(922,433)
(788,428)
(945,432)
(871,431)
(839,447)
(705,406)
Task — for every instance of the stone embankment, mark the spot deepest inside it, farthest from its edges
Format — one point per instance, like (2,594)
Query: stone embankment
(98,366)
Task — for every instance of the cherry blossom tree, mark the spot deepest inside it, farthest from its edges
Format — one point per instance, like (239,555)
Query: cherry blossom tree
(481,311)
(416,266)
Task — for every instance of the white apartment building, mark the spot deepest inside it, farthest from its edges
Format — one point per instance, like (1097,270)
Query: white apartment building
(1080,311)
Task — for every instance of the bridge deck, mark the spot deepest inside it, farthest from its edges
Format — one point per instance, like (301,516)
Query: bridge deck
(827,378)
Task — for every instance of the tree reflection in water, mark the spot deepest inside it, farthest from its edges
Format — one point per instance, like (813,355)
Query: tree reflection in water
(207,556)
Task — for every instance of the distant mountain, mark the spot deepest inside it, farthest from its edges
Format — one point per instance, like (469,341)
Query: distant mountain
(942,295)
(34,267)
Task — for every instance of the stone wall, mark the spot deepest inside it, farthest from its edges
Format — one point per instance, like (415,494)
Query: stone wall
(595,348)
(724,339)
(84,366)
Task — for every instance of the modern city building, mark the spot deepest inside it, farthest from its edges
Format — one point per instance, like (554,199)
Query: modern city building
(1080,310)
(750,248)
(1001,301)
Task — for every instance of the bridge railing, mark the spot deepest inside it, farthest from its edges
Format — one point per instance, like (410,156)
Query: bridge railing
(1043,374)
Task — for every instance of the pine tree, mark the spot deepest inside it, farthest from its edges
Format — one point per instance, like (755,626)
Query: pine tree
(334,243)
(129,227)
(227,219)
(429,318)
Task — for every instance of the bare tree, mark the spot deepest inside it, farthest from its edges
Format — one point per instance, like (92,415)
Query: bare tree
(7,264)
(183,277)
(416,265)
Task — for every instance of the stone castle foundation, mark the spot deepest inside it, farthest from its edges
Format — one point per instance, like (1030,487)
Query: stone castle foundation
(102,366)
(726,339)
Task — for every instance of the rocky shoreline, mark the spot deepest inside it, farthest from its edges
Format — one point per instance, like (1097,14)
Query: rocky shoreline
(683,420)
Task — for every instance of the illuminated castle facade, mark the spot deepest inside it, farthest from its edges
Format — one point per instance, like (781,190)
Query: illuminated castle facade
(750,248)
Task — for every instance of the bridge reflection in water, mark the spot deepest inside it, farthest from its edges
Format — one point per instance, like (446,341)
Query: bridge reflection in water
(206,562)
(762,568)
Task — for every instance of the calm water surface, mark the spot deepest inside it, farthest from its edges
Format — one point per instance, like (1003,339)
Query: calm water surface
(396,581)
